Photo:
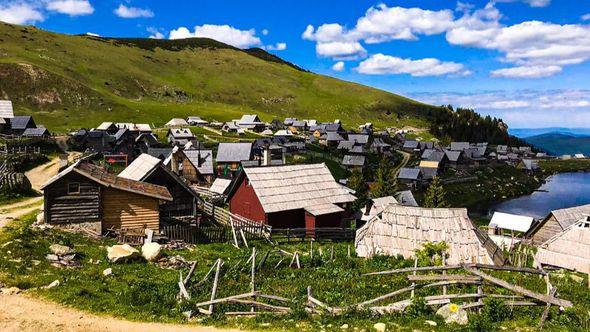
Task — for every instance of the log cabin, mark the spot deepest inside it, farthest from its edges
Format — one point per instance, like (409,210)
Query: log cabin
(194,165)
(290,196)
(85,196)
(150,169)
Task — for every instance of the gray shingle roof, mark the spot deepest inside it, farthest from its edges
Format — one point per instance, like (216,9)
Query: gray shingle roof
(333,137)
(459,146)
(35,132)
(161,153)
(358,138)
(140,167)
(351,160)
(409,174)
(180,133)
(453,156)
(292,187)
(411,144)
(6,110)
(233,152)
(20,122)
(202,159)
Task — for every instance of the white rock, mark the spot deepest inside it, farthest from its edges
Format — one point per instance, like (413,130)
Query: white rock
(452,313)
(344,326)
(380,327)
(151,251)
(119,253)
(55,283)
(107,272)
(431,323)
(41,218)
(58,249)
(11,291)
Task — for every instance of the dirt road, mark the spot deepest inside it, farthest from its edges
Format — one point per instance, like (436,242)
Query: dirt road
(24,313)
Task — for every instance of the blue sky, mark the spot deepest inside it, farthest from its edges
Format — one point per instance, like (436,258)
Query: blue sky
(527,61)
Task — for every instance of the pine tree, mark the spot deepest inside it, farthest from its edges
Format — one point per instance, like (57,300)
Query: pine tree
(358,183)
(435,195)
(385,181)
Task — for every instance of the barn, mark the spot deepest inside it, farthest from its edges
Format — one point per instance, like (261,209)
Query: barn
(85,196)
(146,168)
(290,196)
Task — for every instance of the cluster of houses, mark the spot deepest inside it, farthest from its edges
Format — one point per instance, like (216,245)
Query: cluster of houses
(20,125)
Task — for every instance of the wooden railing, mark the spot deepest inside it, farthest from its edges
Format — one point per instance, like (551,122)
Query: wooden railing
(226,218)
(196,235)
(318,234)
(21,149)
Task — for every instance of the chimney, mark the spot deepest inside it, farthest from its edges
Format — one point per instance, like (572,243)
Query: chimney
(266,155)
(368,206)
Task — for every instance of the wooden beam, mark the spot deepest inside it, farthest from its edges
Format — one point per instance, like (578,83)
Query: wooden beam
(214,290)
(260,305)
(447,277)
(225,299)
(417,269)
(520,290)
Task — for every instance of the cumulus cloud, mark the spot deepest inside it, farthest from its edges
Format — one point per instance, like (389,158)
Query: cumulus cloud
(223,33)
(586,17)
(265,32)
(155,33)
(20,13)
(526,72)
(132,12)
(70,7)
(380,64)
(276,47)
(338,66)
(522,108)
(341,50)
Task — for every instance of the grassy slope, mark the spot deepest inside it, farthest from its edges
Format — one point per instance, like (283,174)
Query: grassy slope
(72,81)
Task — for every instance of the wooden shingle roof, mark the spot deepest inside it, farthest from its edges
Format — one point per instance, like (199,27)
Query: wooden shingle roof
(292,187)
(6,110)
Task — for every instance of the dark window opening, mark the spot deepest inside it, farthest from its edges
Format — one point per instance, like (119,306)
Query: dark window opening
(73,188)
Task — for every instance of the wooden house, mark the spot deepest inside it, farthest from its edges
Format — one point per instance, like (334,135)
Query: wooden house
(353,161)
(411,146)
(146,168)
(250,122)
(39,132)
(196,121)
(401,230)
(180,136)
(6,113)
(568,249)
(108,127)
(176,122)
(291,196)
(19,124)
(230,156)
(556,222)
(85,196)
(194,165)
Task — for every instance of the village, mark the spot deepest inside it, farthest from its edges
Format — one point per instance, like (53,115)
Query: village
(266,201)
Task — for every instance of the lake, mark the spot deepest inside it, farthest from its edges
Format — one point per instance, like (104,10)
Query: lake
(560,191)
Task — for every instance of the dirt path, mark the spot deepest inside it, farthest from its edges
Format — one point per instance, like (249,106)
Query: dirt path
(404,162)
(24,313)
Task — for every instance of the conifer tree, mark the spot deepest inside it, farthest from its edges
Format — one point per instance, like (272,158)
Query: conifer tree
(385,181)
(358,183)
(435,195)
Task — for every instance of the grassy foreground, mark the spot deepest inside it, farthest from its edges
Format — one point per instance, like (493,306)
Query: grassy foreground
(143,291)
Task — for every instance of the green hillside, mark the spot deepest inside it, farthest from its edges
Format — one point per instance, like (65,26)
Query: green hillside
(72,81)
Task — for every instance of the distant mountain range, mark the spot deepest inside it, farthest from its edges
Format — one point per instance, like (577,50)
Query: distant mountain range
(558,143)
(530,132)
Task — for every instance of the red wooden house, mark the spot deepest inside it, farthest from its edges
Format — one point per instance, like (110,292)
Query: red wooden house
(290,196)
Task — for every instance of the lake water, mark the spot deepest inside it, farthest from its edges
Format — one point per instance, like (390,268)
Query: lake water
(560,191)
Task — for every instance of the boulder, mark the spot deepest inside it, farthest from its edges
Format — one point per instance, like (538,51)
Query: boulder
(452,313)
(55,283)
(11,291)
(380,327)
(59,250)
(151,251)
(107,272)
(120,253)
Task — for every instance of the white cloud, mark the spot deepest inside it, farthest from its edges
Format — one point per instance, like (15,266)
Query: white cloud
(276,47)
(586,17)
(92,34)
(223,33)
(380,64)
(532,3)
(522,108)
(155,33)
(70,7)
(338,66)
(20,13)
(132,12)
(341,50)
(526,72)
(265,32)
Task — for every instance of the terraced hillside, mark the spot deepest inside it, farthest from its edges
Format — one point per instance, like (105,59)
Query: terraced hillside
(71,81)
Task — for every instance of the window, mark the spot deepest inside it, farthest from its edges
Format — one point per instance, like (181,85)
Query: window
(73,188)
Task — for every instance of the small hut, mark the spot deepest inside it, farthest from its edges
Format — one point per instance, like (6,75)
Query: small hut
(568,249)
(556,222)
(401,230)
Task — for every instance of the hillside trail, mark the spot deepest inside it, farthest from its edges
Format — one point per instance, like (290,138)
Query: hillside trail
(405,160)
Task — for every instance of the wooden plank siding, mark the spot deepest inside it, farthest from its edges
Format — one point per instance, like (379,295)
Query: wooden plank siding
(183,205)
(128,210)
(546,230)
(62,207)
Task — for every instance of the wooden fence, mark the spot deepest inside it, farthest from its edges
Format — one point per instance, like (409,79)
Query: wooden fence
(224,217)
(197,235)
(21,149)
(318,234)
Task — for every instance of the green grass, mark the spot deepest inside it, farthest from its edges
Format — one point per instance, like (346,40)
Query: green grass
(68,82)
(145,292)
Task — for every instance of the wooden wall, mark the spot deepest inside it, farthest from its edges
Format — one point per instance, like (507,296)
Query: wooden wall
(548,229)
(62,208)
(128,210)
(183,204)
(245,203)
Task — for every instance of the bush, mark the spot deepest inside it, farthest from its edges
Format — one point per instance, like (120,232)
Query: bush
(495,311)
(418,307)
